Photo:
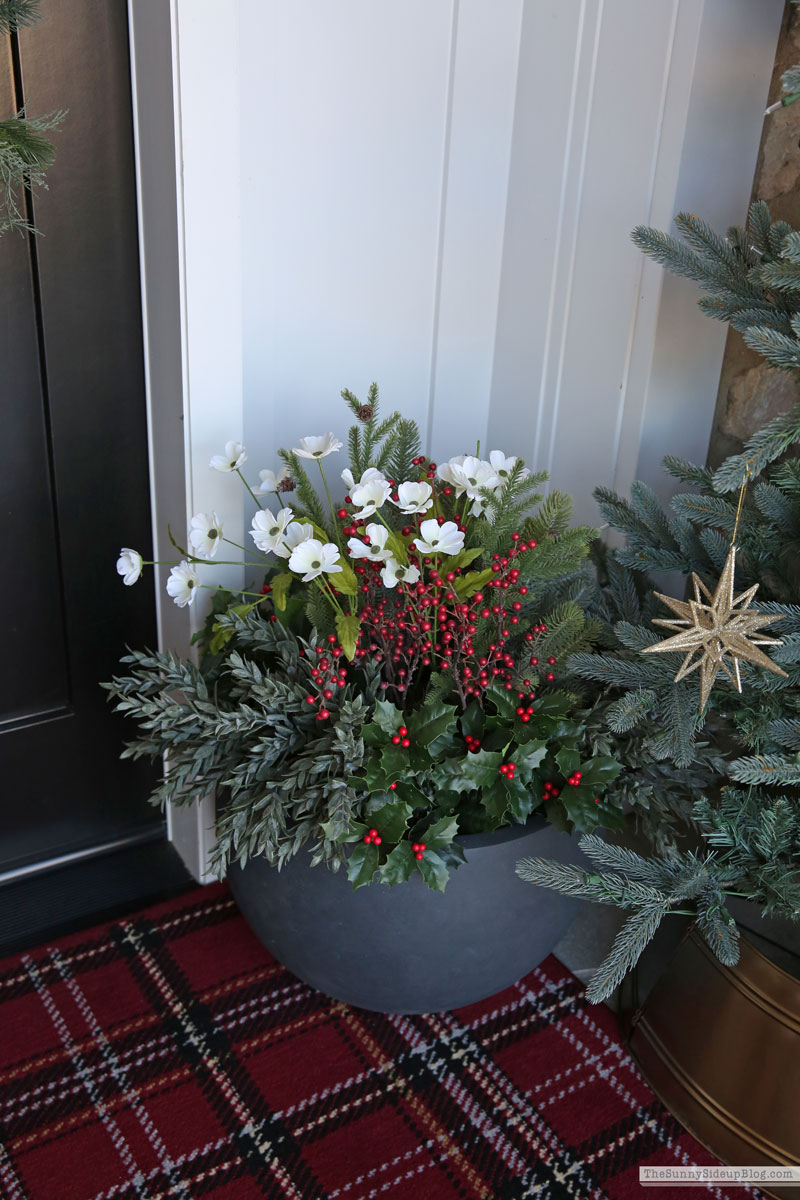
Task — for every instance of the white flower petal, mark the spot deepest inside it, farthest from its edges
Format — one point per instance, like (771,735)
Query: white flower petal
(413,498)
(311,557)
(231,460)
(129,565)
(318,447)
(205,534)
(183,584)
(439,539)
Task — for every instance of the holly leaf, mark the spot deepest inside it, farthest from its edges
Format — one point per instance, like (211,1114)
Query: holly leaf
(407,790)
(373,735)
(394,763)
(344,581)
(280,585)
(387,716)
(494,799)
(348,627)
(472,719)
(519,799)
(482,769)
(505,702)
(554,704)
(440,834)
(430,722)
(433,870)
(399,865)
(362,865)
(599,771)
(390,818)
(529,754)
(568,760)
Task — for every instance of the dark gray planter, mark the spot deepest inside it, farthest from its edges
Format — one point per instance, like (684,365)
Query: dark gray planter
(408,949)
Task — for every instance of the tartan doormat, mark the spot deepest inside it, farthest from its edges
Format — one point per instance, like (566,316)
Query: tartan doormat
(168,1056)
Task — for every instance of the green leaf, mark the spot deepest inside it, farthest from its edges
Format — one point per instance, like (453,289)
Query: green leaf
(463,559)
(482,769)
(407,790)
(387,716)
(554,704)
(344,581)
(529,755)
(398,547)
(520,799)
(394,763)
(599,771)
(440,834)
(347,630)
(280,585)
(472,719)
(390,819)
(362,865)
(568,760)
(494,799)
(467,585)
(399,865)
(505,702)
(430,722)
(433,870)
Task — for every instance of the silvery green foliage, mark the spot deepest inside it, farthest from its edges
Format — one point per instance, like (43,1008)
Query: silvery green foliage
(248,733)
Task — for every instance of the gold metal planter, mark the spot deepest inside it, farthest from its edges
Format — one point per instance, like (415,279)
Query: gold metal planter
(721,1047)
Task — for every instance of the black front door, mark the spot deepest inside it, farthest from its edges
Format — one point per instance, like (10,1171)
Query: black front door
(73,451)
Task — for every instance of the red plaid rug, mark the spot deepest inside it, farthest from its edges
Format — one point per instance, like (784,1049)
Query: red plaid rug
(168,1057)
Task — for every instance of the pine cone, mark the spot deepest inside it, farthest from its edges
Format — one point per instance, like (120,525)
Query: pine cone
(366,412)
(286,485)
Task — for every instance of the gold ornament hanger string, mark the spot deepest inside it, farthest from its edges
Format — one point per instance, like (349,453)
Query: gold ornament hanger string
(740,505)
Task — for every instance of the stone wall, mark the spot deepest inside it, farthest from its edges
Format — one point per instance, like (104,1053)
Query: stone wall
(750,392)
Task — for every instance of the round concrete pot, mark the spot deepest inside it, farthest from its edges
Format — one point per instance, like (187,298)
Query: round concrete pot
(408,949)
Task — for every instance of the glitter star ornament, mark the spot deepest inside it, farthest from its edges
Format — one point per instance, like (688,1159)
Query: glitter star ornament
(716,627)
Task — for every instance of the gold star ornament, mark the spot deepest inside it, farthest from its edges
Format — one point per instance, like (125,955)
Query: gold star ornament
(716,627)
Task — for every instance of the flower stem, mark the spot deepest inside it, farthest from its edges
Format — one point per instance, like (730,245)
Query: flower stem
(250,490)
(336,532)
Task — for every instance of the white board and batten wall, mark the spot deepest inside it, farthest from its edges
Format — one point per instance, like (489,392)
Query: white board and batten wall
(436,195)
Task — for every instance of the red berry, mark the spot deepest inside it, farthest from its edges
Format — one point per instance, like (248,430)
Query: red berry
(341,513)
(549,676)
(396,740)
(405,743)
(377,841)
(402,731)
(515,537)
(422,846)
(323,714)
(552,661)
(392,786)
(311,699)
(418,855)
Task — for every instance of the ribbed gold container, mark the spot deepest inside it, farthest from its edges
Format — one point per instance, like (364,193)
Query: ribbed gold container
(721,1047)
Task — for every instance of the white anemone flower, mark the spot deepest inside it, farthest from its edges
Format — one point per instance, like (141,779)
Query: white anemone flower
(231,460)
(129,565)
(414,498)
(182,584)
(318,447)
(471,475)
(270,482)
(369,474)
(394,573)
(440,539)
(503,466)
(370,496)
(295,533)
(267,530)
(376,550)
(311,557)
(205,534)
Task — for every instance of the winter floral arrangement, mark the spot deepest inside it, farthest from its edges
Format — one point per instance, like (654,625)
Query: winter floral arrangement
(397,678)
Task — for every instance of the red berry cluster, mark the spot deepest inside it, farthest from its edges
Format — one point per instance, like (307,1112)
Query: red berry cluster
(419,849)
(327,675)
(525,707)
(574,779)
(507,769)
(373,838)
(549,790)
(401,738)
(473,743)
